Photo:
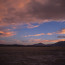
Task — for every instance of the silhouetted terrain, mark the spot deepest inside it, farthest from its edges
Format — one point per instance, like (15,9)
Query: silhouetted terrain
(39,44)
(60,44)
(36,54)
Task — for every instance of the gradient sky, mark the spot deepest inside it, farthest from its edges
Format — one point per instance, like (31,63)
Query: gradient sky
(32,21)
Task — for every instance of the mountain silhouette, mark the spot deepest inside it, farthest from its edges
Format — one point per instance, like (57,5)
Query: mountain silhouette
(61,44)
(39,44)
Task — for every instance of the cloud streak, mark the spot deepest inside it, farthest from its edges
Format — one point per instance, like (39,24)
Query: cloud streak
(61,31)
(60,36)
(31,26)
(35,35)
(58,32)
(30,41)
(6,34)
(12,41)
(45,41)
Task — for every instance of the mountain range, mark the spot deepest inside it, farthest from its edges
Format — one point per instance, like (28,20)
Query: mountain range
(59,44)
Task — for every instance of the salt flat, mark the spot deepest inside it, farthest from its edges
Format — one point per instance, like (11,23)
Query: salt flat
(32,55)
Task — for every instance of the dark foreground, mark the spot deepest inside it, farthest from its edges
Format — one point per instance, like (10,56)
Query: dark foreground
(32,55)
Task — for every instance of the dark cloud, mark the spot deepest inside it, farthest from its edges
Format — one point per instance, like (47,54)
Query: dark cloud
(61,37)
(1,33)
(31,11)
(54,9)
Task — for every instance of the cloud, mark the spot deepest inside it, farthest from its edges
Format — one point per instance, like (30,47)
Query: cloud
(60,36)
(30,41)
(39,34)
(48,10)
(2,42)
(35,35)
(14,12)
(49,34)
(45,41)
(10,11)
(12,41)
(32,26)
(61,31)
(6,34)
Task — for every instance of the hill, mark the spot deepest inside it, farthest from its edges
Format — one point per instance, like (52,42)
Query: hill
(39,44)
(61,44)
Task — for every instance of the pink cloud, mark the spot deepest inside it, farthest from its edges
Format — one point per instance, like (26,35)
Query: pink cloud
(45,41)
(58,32)
(6,34)
(2,42)
(49,34)
(61,31)
(11,41)
(14,12)
(35,35)
(32,26)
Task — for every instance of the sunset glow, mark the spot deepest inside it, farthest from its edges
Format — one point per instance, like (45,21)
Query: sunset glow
(32,21)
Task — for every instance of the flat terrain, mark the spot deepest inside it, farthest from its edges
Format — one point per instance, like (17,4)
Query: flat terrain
(32,55)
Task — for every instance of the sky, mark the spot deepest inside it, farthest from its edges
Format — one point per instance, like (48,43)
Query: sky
(32,21)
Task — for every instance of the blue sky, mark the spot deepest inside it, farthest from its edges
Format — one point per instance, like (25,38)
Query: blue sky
(52,27)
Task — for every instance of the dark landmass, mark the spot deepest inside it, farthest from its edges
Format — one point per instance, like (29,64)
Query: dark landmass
(59,44)
(36,54)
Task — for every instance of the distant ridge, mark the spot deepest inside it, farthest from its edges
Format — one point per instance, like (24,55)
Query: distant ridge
(59,44)
(39,44)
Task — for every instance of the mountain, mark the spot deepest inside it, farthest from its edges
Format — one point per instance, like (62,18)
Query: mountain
(61,44)
(39,44)
(13,45)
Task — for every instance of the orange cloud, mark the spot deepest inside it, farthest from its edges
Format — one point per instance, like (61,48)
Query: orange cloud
(49,34)
(34,40)
(35,35)
(61,31)
(39,34)
(58,32)
(6,34)
(45,41)
(54,40)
